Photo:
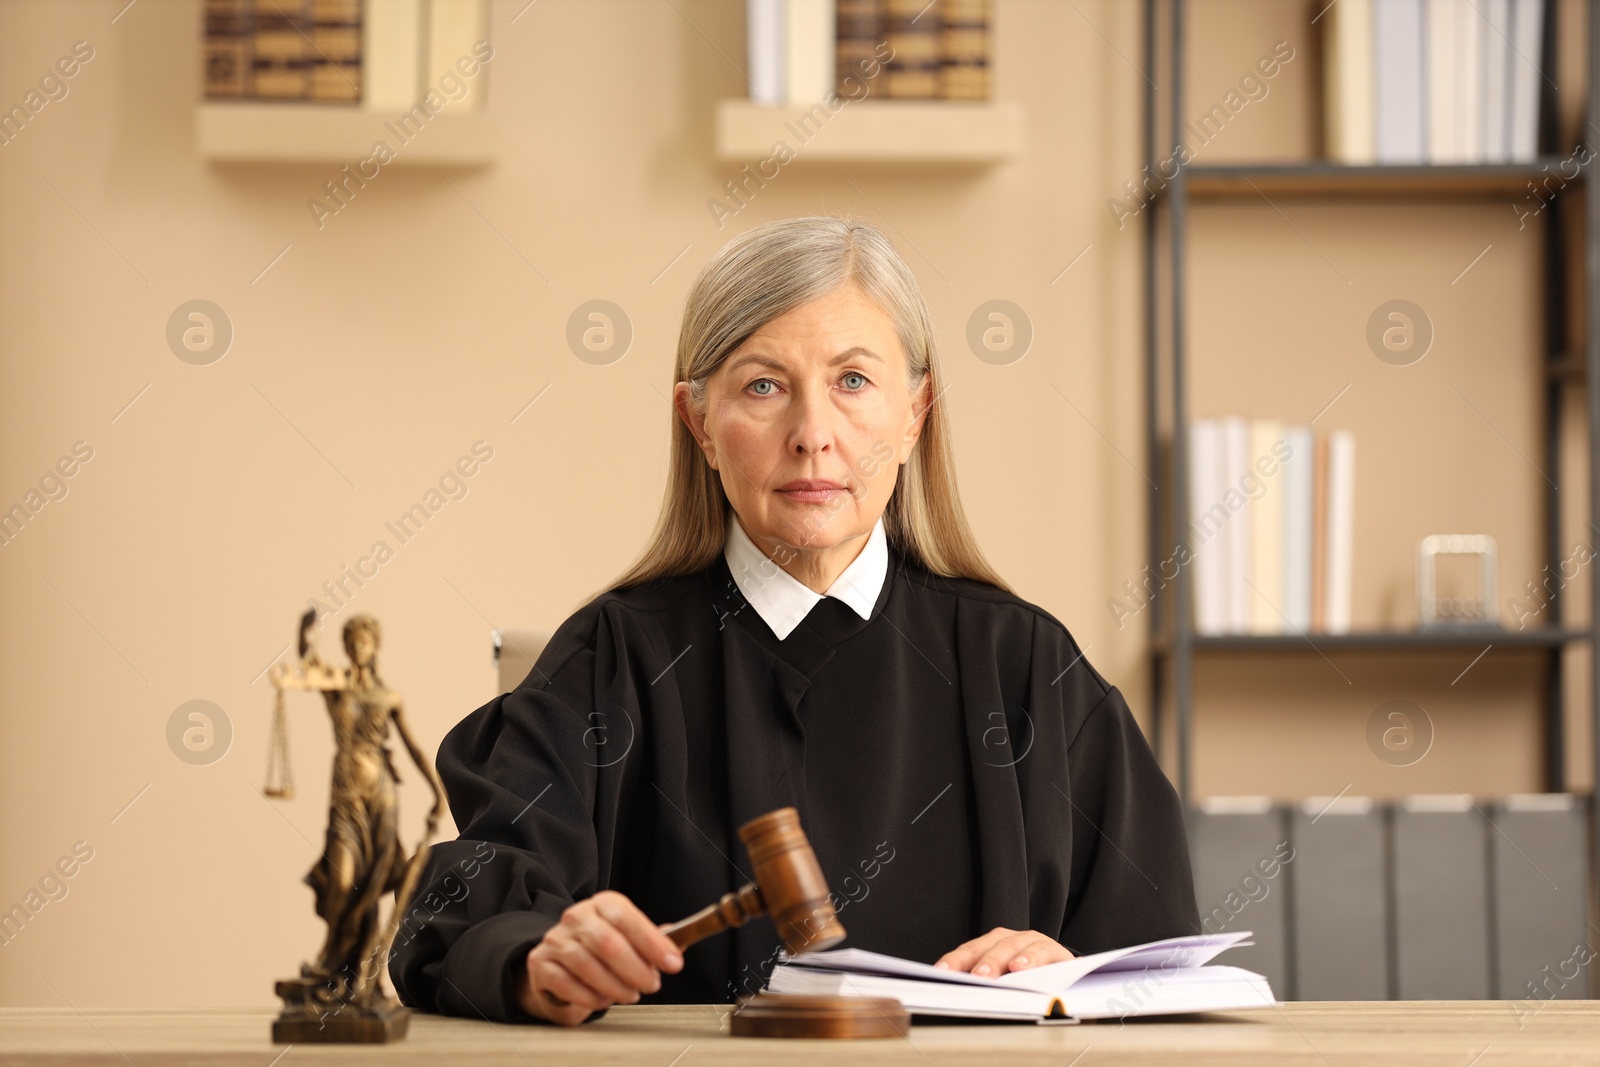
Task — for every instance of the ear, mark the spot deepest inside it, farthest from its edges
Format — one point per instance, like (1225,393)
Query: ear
(695,420)
(921,400)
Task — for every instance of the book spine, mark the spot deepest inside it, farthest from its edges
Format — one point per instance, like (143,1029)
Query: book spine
(1526,36)
(1341,529)
(764,25)
(1208,518)
(1442,88)
(1399,133)
(858,31)
(1471,45)
(454,26)
(912,31)
(808,50)
(1347,82)
(226,48)
(1297,477)
(964,37)
(1319,534)
(1267,524)
(280,56)
(336,57)
(1236,454)
(1496,88)
(392,54)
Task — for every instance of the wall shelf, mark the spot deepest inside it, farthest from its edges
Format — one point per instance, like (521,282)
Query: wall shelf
(872,131)
(314,133)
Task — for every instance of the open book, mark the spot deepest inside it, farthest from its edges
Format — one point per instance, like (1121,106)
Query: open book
(1167,977)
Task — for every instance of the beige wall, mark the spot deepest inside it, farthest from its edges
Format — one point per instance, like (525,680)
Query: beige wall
(380,348)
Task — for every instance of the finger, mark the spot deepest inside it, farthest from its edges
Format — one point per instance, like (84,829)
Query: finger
(580,960)
(1040,952)
(997,959)
(548,976)
(615,952)
(964,955)
(552,1007)
(655,947)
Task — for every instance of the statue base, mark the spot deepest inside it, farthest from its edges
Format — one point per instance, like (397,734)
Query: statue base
(307,1020)
(797,1015)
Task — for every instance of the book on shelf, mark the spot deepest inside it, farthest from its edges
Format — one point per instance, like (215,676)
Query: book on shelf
(1340,516)
(765,51)
(1271,526)
(964,50)
(335,61)
(1173,976)
(913,37)
(454,26)
(380,54)
(808,29)
(280,50)
(1267,528)
(1348,82)
(392,43)
(1432,81)
(800,51)
(858,37)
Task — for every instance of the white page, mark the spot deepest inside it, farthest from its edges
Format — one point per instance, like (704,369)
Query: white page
(1188,951)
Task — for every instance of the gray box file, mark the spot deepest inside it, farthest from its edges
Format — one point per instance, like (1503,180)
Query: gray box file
(1539,851)
(1241,856)
(1441,900)
(1339,915)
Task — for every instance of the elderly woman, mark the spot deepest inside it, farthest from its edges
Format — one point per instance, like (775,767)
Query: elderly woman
(811,624)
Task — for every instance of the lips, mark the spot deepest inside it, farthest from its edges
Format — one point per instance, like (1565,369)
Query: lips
(810,490)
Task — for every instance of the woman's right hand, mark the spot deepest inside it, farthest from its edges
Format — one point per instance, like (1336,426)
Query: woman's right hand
(604,951)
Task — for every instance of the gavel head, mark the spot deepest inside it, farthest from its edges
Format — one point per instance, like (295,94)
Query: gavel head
(791,882)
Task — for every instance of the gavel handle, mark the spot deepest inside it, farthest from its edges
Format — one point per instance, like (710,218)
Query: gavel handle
(732,910)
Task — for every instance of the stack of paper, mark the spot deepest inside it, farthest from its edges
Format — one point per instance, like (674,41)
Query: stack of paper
(1169,977)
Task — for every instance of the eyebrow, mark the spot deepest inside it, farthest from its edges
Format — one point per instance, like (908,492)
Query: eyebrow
(853,352)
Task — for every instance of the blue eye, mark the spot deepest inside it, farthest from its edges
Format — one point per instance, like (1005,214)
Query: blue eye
(859,377)
(762,381)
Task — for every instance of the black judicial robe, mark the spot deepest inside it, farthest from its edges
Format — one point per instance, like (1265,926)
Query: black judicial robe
(957,766)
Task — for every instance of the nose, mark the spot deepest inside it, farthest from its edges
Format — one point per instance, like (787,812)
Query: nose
(812,430)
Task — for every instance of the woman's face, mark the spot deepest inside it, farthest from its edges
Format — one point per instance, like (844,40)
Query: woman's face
(808,421)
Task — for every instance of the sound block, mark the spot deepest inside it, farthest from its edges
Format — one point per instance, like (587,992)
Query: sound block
(796,1015)
(303,1021)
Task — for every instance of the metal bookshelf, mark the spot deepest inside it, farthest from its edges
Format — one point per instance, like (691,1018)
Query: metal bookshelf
(1175,644)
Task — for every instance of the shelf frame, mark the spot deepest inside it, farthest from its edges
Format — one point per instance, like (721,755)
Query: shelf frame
(1174,642)
(1325,179)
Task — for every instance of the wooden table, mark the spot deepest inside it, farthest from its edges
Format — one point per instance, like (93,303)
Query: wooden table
(1454,1033)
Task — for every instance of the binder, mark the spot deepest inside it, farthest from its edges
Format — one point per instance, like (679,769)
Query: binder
(1441,899)
(1339,918)
(1539,850)
(1241,858)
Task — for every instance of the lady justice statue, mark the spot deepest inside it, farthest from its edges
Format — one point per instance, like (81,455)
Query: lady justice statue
(340,997)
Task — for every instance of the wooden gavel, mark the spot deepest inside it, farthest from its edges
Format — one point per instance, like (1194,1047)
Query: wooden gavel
(789,886)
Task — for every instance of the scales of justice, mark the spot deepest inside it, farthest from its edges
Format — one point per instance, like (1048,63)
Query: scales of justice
(340,997)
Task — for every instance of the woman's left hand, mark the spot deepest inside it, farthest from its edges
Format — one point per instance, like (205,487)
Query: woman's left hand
(1003,951)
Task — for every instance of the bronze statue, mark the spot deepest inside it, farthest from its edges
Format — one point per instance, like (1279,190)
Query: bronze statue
(340,997)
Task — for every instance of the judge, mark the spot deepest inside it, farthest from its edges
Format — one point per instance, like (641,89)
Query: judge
(811,624)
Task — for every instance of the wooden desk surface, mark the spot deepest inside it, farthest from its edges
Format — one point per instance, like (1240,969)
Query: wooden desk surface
(1457,1033)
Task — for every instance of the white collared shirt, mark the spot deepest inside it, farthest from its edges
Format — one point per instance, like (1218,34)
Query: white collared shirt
(782,600)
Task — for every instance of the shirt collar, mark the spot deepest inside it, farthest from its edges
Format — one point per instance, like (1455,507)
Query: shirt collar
(782,600)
